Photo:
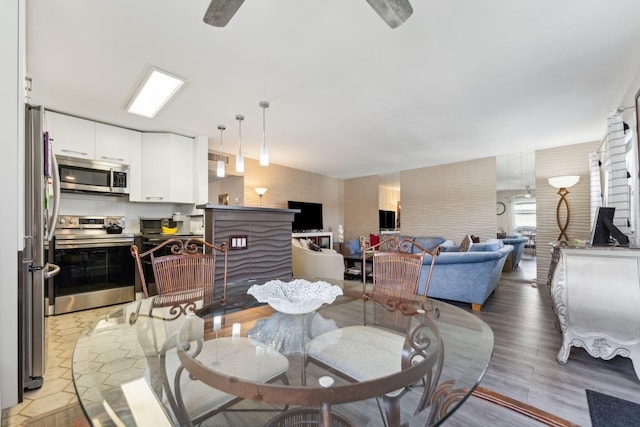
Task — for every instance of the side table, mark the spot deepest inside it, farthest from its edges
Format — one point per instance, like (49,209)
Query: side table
(353,266)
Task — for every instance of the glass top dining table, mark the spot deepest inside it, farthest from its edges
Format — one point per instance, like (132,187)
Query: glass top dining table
(188,359)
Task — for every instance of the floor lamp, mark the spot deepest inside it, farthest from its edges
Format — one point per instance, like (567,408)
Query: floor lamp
(563,183)
(260,191)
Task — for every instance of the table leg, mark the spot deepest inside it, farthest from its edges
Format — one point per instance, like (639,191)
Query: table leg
(326,415)
(392,410)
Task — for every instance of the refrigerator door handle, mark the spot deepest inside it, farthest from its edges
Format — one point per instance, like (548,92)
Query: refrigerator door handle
(56,197)
(50,270)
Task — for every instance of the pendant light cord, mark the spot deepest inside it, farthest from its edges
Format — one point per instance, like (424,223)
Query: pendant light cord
(239,118)
(264,128)
(221,127)
(264,105)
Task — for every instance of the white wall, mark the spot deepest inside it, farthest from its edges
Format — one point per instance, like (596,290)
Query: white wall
(100,205)
(11,124)
(567,160)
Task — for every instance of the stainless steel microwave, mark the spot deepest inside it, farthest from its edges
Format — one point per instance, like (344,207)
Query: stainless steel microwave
(93,176)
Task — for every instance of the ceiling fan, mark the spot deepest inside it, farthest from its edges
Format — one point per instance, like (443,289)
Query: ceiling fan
(393,12)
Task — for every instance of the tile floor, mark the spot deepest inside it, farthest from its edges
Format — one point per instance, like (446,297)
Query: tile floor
(57,390)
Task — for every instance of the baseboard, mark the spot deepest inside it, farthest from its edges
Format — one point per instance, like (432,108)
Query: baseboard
(522,408)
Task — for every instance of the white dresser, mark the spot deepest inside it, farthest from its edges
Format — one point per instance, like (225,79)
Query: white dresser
(596,296)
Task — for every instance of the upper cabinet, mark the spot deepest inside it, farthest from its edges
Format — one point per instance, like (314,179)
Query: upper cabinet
(113,143)
(71,136)
(166,169)
(163,167)
(86,139)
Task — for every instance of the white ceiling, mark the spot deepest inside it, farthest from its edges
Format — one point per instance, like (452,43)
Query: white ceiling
(461,79)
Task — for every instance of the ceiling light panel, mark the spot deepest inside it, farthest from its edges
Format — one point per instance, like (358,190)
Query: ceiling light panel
(158,87)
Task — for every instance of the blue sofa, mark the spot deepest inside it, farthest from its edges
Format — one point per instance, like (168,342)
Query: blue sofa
(466,276)
(461,276)
(518,242)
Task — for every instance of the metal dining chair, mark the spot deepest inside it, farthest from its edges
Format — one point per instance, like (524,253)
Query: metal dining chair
(397,269)
(307,417)
(386,343)
(183,265)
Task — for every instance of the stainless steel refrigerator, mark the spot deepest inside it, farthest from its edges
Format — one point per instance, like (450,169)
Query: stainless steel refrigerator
(41,208)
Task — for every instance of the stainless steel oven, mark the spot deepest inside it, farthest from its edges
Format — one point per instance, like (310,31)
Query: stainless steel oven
(96,266)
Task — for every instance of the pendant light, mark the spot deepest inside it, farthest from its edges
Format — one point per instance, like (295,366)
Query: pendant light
(264,153)
(220,169)
(240,157)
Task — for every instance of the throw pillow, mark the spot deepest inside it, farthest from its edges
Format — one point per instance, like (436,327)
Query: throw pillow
(314,247)
(466,244)
(374,239)
(475,239)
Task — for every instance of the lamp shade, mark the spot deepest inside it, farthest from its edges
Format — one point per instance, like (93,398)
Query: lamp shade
(565,181)
(260,190)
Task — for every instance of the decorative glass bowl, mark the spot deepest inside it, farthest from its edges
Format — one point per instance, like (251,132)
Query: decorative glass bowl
(295,297)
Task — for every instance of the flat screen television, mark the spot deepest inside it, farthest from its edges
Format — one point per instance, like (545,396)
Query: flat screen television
(387,220)
(309,218)
(604,228)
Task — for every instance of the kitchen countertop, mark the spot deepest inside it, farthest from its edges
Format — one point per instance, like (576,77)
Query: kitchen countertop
(164,236)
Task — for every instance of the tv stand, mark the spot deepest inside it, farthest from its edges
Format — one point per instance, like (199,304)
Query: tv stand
(324,239)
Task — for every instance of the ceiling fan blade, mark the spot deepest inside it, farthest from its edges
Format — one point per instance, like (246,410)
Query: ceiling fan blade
(394,12)
(220,12)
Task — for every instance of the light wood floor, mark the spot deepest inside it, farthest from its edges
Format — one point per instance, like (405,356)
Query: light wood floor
(523,366)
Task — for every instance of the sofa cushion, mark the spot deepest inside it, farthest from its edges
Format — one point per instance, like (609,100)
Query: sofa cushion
(300,243)
(466,244)
(488,246)
(427,242)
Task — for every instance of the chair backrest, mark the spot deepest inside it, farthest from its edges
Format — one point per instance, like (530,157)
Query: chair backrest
(189,265)
(396,274)
(397,268)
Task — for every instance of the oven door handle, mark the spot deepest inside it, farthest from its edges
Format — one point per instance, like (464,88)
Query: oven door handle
(51,270)
(91,245)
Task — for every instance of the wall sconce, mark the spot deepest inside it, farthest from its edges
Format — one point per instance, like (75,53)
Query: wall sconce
(562,183)
(260,191)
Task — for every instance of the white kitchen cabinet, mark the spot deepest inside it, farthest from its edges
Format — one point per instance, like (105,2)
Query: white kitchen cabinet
(113,143)
(201,169)
(167,173)
(71,136)
(182,170)
(87,139)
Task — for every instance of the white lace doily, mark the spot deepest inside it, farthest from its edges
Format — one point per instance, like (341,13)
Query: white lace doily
(295,297)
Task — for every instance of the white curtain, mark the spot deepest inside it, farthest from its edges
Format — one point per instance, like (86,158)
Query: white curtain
(617,189)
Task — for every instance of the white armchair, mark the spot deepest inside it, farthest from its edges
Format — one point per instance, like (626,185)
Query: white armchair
(322,264)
